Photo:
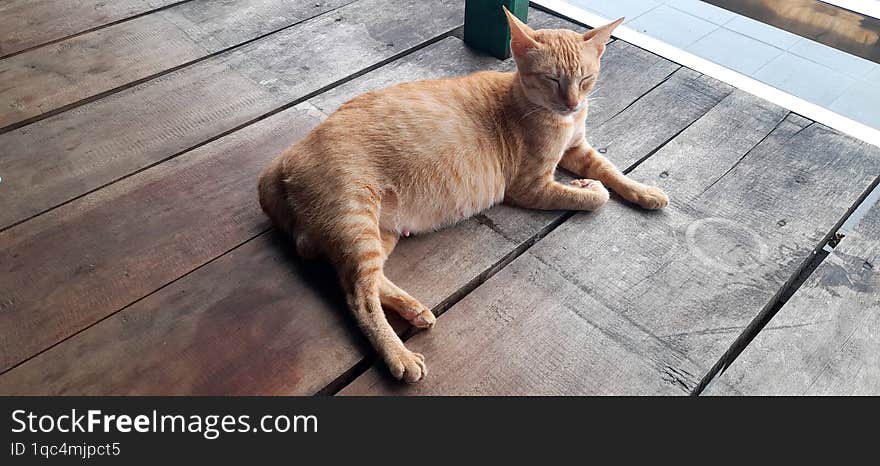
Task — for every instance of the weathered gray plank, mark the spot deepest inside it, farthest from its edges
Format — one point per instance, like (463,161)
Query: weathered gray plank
(29,23)
(56,159)
(825,339)
(651,118)
(55,77)
(740,223)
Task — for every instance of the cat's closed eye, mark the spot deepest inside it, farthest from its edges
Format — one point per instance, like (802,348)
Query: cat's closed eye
(586,81)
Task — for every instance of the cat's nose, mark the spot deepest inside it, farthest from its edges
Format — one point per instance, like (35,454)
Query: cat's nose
(572,105)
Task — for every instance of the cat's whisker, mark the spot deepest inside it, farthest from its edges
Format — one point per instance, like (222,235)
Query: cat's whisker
(592,96)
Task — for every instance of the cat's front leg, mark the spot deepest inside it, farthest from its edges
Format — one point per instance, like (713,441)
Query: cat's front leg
(585,161)
(546,193)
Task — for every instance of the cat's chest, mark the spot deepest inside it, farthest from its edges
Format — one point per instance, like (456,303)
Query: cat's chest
(567,133)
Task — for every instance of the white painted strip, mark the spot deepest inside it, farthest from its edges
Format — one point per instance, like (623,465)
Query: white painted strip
(794,103)
(865,7)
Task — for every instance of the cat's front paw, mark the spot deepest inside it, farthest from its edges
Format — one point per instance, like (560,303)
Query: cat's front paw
(600,196)
(651,197)
(406,365)
(587,183)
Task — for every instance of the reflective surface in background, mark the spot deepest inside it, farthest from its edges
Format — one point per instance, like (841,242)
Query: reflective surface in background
(833,26)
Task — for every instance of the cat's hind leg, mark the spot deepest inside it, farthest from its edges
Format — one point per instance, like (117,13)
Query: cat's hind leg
(408,307)
(355,246)
(394,298)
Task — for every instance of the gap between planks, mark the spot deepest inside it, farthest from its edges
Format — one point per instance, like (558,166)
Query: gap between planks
(136,82)
(93,29)
(795,281)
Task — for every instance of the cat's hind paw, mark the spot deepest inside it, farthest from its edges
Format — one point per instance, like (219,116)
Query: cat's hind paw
(406,365)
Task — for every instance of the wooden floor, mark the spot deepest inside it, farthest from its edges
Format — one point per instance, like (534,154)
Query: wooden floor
(135,259)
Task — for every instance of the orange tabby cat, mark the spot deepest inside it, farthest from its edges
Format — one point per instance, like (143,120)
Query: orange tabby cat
(421,155)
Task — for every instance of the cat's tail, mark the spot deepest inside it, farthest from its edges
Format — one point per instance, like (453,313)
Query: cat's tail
(274,199)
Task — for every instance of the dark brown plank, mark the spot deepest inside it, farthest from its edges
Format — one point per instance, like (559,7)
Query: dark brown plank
(30,23)
(531,331)
(171,205)
(824,340)
(256,321)
(687,279)
(62,157)
(45,80)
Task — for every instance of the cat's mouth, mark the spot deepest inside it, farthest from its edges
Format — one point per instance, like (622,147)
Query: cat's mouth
(567,112)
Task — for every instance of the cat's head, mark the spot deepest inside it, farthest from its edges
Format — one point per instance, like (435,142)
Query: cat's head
(558,68)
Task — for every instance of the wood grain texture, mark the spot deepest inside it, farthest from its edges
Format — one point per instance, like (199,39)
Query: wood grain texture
(57,76)
(652,117)
(30,23)
(751,198)
(64,156)
(77,264)
(529,331)
(256,321)
(826,339)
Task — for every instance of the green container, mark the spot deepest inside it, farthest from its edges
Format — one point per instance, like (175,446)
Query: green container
(485,26)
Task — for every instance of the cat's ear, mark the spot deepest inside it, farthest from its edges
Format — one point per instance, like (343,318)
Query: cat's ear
(601,35)
(521,36)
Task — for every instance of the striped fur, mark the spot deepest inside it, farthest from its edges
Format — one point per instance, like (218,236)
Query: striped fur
(417,156)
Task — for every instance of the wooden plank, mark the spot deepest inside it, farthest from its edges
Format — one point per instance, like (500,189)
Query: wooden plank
(48,79)
(123,273)
(62,157)
(256,321)
(531,331)
(824,340)
(751,198)
(30,23)
(651,118)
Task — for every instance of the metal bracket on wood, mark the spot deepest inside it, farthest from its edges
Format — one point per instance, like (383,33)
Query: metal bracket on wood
(485,27)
